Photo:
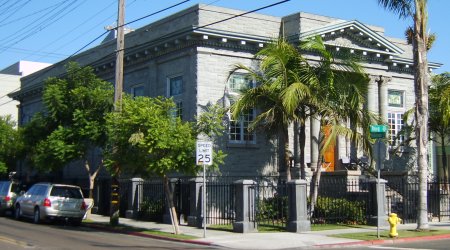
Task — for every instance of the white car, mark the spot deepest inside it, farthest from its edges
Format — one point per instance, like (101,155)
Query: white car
(51,201)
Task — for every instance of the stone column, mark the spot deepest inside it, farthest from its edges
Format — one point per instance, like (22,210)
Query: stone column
(298,212)
(315,132)
(378,211)
(195,206)
(245,206)
(135,197)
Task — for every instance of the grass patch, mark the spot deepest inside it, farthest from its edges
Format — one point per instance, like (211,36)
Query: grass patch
(128,229)
(323,227)
(384,234)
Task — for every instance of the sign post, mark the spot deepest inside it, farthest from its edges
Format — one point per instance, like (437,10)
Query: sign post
(378,132)
(204,157)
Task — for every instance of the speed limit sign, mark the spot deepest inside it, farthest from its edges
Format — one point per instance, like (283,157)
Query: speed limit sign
(204,154)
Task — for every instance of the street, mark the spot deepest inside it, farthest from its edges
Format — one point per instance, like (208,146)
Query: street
(26,235)
(416,245)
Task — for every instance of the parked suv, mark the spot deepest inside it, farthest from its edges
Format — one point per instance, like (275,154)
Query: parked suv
(51,201)
(8,194)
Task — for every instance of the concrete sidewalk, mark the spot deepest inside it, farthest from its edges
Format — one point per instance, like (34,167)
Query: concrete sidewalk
(281,240)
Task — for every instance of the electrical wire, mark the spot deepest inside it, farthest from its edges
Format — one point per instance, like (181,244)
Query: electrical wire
(146,44)
(51,20)
(15,10)
(29,15)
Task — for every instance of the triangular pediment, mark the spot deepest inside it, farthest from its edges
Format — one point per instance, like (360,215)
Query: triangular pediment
(355,36)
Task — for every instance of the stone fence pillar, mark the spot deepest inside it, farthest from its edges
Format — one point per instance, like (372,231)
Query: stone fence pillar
(195,206)
(298,212)
(245,206)
(135,197)
(379,205)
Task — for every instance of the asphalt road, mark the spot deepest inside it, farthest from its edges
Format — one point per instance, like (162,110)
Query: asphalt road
(26,235)
(416,245)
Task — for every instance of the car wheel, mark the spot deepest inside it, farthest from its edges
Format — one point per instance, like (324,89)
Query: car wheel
(37,216)
(17,212)
(76,222)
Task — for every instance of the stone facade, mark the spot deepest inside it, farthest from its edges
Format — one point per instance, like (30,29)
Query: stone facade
(189,55)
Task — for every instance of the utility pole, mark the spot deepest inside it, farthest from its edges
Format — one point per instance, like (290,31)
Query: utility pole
(118,87)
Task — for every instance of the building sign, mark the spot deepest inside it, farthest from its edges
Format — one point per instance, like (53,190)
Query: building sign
(395,98)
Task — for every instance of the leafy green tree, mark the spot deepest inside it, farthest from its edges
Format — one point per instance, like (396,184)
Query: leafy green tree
(417,11)
(147,139)
(439,120)
(73,126)
(10,144)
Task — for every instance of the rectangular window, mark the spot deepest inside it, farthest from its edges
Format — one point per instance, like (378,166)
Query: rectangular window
(395,122)
(137,90)
(175,86)
(239,82)
(395,98)
(238,131)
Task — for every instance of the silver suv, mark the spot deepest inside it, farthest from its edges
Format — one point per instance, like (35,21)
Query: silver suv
(51,201)
(8,194)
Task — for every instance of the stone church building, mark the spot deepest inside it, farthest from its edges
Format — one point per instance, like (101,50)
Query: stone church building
(189,56)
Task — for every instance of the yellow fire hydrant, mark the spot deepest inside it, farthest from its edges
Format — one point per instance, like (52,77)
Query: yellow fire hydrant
(393,221)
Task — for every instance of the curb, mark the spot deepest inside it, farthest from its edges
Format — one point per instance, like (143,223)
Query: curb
(158,237)
(381,242)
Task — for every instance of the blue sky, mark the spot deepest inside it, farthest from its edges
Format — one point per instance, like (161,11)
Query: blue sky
(30,30)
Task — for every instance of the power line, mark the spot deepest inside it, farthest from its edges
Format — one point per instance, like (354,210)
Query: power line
(52,66)
(29,15)
(15,10)
(71,31)
(154,41)
(42,25)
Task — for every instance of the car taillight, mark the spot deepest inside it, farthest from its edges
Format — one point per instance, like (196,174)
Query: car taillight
(83,206)
(47,202)
(7,198)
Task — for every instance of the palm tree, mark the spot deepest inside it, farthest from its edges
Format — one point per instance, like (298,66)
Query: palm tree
(439,120)
(279,68)
(417,10)
(343,86)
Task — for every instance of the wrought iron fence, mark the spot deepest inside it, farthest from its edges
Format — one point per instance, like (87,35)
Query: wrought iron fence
(342,201)
(339,201)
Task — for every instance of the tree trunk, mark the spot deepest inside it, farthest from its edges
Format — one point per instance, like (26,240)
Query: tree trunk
(287,160)
(444,162)
(172,210)
(315,187)
(421,109)
(92,176)
(302,138)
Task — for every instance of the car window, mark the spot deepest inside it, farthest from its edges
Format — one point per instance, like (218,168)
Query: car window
(31,190)
(3,188)
(41,190)
(67,192)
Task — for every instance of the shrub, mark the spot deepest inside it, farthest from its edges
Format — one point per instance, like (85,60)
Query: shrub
(339,210)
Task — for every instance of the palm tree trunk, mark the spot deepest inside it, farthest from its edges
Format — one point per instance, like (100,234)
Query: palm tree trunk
(287,160)
(421,109)
(315,187)
(302,138)
(444,162)
(172,210)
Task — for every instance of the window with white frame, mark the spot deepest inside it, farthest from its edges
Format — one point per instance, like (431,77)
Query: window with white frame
(395,122)
(137,90)
(175,86)
(238,130)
